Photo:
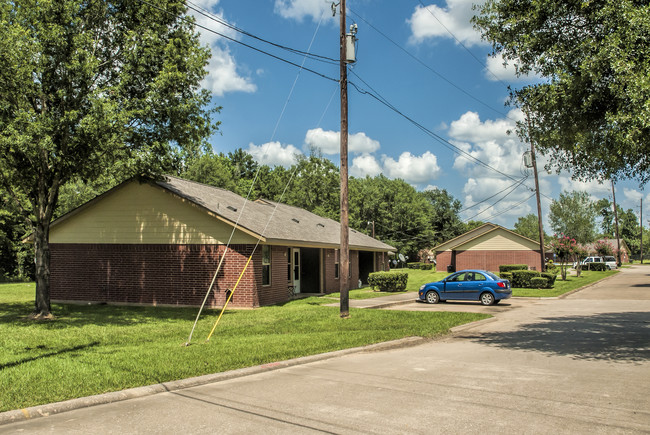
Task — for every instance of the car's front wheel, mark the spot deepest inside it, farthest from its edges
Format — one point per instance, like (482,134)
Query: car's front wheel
(433,297)
(487,298)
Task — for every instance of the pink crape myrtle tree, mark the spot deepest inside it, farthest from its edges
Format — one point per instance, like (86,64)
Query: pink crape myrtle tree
(564,248)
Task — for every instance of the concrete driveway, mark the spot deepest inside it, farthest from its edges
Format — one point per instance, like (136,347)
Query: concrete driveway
(574,365)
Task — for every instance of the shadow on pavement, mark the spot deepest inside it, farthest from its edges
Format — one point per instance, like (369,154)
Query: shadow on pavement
(621,337)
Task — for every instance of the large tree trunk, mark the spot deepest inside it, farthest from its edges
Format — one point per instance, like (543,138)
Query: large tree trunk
(47,197)
(42,307)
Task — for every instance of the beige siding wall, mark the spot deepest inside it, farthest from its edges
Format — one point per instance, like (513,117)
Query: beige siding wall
(498,241)
(144,214)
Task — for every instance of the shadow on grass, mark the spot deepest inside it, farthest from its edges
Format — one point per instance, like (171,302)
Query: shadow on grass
(616,337)
(46,355)
(71,315)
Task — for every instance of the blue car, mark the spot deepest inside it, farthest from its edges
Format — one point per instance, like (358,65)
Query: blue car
(467,285)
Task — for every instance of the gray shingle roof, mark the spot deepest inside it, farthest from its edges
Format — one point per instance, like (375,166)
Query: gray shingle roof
(276,222)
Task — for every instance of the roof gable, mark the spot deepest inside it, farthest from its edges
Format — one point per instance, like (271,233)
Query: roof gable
(488,236)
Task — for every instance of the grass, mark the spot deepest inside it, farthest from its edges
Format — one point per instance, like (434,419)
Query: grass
(89,350)
(562,287)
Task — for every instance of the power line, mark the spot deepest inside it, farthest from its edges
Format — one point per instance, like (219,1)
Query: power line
(418,60)
(439,138)
(198,9)
(241,43)
(498,201)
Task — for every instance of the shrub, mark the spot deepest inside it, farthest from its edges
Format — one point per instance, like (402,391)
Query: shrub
(506,275)
(413,265)
(388,281)
(426,266)
(521,278)
(550,277)
(511,267)
(599,267)
(539,282)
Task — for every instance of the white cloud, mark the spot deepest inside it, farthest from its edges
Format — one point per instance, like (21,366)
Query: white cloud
(436,22)
(363,165)
(497,71)
(329,142)
(412,169)
(632,195)
(274,154)
(595,188)
(299,9)
(488,142)
(223,75)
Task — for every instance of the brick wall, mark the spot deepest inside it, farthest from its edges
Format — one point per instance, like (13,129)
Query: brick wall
(332,284)
(278,291)
(153,274)
(488,260)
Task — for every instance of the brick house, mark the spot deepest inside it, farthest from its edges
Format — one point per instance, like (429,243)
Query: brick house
(159,243)
(487,247)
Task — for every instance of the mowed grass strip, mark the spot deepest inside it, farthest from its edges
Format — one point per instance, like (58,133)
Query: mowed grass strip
(91,349)
(562,287)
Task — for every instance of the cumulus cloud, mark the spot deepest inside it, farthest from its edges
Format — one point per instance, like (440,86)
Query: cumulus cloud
(365,164)
(223,75)
(597,189)
(489,142)
(632,195)
(437,22)
(498,198)
(300,9)
(413,169)
(497,71)
(274,154)
(329,142)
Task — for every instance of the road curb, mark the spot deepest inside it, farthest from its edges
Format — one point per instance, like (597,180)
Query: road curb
(18,415)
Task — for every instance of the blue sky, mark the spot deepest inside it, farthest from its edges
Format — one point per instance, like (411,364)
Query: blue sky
(428,63)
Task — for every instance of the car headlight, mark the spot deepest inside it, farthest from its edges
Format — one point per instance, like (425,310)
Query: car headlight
(422,287)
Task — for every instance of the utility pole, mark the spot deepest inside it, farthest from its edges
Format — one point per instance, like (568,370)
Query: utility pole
(542,250)
(344,258)
(373,228)
(641,224)
(618,239)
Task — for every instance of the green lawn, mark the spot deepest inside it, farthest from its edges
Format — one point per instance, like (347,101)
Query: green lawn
(562,287)
(93,349)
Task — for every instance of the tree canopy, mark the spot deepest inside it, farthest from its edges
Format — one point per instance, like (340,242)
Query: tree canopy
(591,116)
(528,226)
(89,87)
(574,215)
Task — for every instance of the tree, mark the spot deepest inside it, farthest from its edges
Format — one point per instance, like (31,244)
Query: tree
(90,85)
(399,212)
(444,217)
(591,115)
(574,213)
(528,226)
(212,169)
(315,185)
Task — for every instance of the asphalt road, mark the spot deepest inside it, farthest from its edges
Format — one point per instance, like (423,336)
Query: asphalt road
(575,365)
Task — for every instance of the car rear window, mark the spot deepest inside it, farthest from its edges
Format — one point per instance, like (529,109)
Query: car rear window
(493,276)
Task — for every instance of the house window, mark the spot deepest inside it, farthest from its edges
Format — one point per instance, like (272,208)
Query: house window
(266,265)
(336,264)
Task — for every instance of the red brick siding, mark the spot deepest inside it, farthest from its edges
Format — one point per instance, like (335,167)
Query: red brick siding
(332,284)
(153,274)
(488,260)
(278,291)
